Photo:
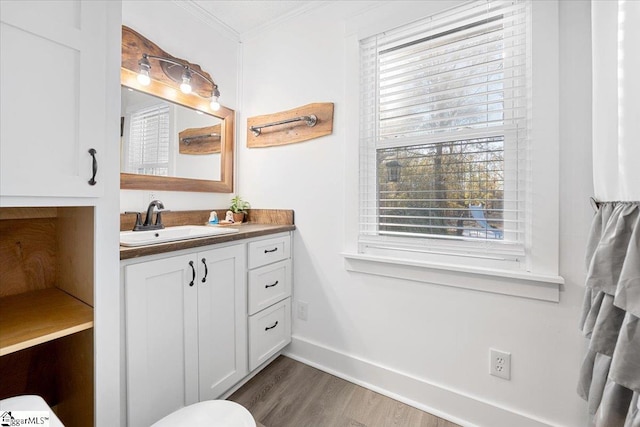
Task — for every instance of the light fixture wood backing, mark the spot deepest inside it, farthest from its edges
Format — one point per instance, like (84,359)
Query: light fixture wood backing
(291,133)
(168,90)
(134,45)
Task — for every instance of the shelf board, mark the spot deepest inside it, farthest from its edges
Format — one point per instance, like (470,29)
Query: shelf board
(32,318)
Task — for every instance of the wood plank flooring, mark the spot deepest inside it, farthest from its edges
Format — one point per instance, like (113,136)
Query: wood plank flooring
(288,393)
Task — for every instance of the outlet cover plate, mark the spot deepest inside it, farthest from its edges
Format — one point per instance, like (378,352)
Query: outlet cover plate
(500,363)
(303,310)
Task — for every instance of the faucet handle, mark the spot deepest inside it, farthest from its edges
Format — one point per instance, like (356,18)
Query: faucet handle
(138,219)
(159,217)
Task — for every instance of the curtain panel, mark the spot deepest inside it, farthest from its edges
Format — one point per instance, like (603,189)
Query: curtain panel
(610,374)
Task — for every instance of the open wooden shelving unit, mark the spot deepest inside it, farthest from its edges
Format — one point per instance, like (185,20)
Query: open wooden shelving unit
(36,317)
(46,308)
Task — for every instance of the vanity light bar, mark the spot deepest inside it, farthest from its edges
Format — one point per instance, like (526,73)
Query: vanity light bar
(144,77)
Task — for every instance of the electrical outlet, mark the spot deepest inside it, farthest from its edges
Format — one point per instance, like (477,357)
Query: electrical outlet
(500,363)
(303,310)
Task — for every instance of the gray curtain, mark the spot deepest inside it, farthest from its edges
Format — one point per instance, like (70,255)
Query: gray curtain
(610,374)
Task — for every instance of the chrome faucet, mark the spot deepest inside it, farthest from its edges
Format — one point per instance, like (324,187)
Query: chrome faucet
(148,224)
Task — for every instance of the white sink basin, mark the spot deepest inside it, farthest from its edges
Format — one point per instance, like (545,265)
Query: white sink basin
(171,234)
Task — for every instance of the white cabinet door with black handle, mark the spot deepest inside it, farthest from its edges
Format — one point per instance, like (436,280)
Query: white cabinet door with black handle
(222,319)
(186,330)
(161,308)
(53,104)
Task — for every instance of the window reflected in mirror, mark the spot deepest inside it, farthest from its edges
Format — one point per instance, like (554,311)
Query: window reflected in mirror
(160,138)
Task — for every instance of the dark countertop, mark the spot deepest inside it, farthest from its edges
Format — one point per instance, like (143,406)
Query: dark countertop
(247,230)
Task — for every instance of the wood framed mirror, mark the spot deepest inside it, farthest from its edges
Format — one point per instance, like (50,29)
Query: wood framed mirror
(185,166)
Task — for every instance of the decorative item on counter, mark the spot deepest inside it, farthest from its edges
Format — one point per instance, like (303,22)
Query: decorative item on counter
(213,217)
(228,220)
(238,208)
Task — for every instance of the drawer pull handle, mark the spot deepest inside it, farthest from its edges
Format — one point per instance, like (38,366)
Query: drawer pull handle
(193,271)
(271,327)
(266,251)
(206,270)
(271,286)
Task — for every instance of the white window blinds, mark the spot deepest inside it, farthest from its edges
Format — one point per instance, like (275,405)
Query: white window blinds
(443,134)
(149,138)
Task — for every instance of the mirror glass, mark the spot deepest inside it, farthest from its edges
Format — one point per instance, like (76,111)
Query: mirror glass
(161,138)
(193,141)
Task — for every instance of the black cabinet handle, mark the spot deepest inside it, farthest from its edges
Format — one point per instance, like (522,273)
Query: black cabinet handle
(271,327)
(93,152)
(271,286)
(193,271)
(206,270)
(266,251)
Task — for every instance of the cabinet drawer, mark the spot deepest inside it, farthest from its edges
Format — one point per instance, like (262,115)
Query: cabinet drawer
(267,251)
(269,331)
(268,285)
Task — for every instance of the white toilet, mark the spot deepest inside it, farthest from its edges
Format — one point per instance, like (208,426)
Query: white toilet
(210,413)
(27,403)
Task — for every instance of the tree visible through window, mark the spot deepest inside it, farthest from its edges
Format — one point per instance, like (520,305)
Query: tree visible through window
(438,188)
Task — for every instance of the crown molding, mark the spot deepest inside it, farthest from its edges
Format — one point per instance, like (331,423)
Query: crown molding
(205,17)
(284,17)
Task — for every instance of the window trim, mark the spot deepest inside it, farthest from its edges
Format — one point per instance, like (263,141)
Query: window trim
(542,262)
(508,282)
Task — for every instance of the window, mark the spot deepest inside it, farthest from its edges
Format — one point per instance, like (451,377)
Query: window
(149,138)
(444,143)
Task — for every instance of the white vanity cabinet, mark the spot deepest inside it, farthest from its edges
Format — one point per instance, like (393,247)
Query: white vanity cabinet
(53,62)
(269,291)
(186,330)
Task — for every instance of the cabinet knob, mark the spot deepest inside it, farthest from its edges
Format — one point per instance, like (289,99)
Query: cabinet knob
(271,286)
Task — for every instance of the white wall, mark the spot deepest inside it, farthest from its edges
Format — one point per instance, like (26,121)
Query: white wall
(423,343)
(185,35)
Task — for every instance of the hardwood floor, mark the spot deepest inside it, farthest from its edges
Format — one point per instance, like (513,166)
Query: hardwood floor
(288,393)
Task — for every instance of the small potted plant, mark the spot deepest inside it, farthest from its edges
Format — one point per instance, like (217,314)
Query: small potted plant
(239,208)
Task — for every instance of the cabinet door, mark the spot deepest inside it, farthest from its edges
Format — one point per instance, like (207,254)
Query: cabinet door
(161,338)
(52,109)
(222,323)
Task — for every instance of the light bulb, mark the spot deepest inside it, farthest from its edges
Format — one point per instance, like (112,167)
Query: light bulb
(143,74)
(143,77)
(215,105)
(185,87)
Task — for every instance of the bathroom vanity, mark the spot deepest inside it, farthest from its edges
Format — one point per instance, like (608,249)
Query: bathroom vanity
(201,315)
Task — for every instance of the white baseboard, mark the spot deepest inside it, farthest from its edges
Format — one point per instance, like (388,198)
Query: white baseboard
(439,400)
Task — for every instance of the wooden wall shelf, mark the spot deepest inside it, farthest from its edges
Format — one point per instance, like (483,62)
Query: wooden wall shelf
(272,133)
(33,318)
(204,140)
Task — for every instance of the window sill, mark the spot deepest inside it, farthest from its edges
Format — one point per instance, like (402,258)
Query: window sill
(515,283)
